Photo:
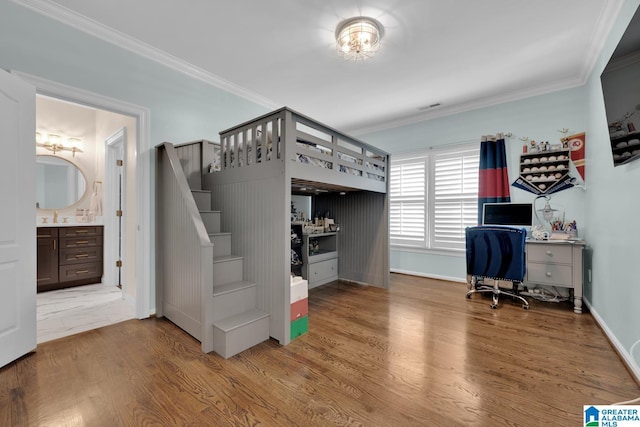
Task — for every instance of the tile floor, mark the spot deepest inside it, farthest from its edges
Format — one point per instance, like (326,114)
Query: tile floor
(69,311)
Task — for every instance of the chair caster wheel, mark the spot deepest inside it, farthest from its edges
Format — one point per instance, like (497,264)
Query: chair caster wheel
(468,296)
(494,306)
(526,307)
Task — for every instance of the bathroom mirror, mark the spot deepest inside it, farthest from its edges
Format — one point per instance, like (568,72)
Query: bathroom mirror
(59,183)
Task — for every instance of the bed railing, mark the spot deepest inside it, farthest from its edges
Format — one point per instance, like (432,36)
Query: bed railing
(306,144)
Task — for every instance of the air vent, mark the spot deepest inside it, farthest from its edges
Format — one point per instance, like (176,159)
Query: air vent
(428,107)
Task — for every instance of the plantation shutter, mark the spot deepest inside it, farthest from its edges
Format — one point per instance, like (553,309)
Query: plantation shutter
(455,197)
(408,201)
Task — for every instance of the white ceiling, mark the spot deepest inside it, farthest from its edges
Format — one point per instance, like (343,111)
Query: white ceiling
(463,54)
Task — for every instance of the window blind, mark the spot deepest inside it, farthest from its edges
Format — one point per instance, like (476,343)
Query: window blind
(408,201)
(434,197)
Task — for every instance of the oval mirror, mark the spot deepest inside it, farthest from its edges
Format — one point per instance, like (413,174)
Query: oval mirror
(59,183)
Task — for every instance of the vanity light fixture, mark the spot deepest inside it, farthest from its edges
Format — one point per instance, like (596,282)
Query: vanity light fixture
(358,39)
(54,143)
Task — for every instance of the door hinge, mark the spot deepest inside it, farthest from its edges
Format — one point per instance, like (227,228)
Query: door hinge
(119,212)
(119,263)
(119,162)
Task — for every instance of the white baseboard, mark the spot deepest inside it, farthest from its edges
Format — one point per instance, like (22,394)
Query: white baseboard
(429,276)
(626,356)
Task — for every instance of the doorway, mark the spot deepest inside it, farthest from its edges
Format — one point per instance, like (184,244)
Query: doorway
(100,158)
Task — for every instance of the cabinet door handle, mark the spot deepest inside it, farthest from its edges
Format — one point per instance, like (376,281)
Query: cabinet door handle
(548,274)
(82,256)
(82,271)
(55,244)
(82,242)
(549,253)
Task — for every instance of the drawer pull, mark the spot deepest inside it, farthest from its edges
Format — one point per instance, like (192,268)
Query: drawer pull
(82,271)
(82,256)
(548,274)
(82,242)
(549,253)
(55,245)
(82,231)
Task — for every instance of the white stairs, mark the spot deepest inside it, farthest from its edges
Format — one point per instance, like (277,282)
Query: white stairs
(237,322)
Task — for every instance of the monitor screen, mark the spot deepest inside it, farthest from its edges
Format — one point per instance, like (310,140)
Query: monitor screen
(513,214)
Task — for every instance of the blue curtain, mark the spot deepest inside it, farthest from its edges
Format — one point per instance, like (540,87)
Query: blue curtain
(493,176)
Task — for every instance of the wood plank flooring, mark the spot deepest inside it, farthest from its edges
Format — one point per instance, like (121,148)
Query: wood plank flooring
(418,354)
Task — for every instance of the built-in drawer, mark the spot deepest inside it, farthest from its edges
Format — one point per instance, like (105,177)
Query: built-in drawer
(80,242)
(323,270)
(80,255)
(73,272)
(550,274)
(47,232)
(299,309)
(80,231)
(549,253)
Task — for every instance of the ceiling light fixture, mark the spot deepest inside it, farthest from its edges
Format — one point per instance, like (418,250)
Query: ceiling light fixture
(358,39)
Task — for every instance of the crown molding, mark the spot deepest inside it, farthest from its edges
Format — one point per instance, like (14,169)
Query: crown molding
(485,102)
(89,26)
(608,17)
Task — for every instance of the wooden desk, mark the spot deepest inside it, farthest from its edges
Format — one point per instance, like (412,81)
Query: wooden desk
(556,263)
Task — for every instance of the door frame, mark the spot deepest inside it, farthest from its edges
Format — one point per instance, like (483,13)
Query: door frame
(112,145)
(143,157)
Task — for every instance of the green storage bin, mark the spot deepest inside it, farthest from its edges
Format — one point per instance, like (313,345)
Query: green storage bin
(299,327)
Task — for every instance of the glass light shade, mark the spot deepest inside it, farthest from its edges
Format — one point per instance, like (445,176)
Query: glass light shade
(54,139)
(358,38)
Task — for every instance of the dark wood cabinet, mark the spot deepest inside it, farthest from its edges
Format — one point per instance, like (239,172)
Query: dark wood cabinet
(47,272)
(69,256)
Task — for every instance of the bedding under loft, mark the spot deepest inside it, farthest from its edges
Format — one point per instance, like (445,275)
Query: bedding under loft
(261,162)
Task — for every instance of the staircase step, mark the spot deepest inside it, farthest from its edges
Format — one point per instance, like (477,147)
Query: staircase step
(221,243)
(237,333)
(227,269)
(233,298)
(203,199)
(211,220)
(232,287)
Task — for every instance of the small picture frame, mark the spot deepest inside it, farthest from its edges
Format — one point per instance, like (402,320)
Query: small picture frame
(334,228)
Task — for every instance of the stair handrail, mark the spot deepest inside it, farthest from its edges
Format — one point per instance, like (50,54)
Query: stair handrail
(183,186)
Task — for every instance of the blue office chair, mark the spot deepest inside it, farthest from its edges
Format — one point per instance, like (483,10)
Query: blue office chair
(498,253)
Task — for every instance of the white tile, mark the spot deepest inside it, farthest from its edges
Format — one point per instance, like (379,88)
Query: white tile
(70,311)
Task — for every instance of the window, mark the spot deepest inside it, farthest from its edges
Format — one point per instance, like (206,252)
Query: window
(434,197)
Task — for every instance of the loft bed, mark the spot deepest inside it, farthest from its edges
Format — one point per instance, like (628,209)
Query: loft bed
(257,167)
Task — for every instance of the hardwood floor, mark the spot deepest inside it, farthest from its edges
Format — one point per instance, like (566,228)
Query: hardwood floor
(418,354)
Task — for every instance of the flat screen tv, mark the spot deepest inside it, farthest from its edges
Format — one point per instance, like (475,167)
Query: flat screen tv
(621,91)
(511,214)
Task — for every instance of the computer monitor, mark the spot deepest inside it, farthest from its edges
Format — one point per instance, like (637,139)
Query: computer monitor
(511,214)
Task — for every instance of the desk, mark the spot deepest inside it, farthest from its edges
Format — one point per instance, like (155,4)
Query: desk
(556,263)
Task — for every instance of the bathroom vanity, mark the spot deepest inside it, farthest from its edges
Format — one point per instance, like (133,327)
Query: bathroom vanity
(69,256)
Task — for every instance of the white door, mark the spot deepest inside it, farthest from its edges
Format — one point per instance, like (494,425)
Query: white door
(17,218)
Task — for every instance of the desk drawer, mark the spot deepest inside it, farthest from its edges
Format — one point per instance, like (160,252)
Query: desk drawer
(556,253)
(323,270)
(549,274)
